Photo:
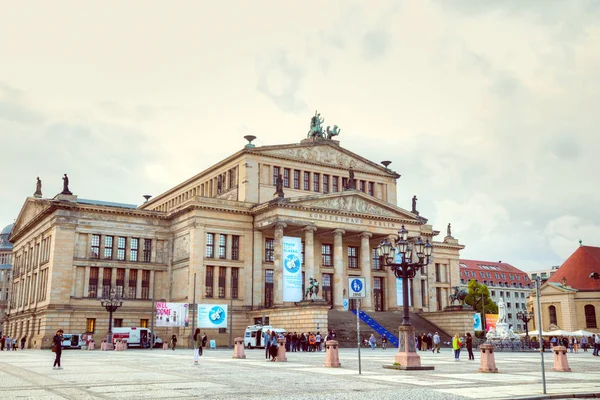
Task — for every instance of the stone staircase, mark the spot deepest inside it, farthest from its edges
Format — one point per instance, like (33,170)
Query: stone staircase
(344,324)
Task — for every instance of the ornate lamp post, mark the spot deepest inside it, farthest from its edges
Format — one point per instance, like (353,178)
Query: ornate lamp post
(112,303)
(400,260)
(525,317)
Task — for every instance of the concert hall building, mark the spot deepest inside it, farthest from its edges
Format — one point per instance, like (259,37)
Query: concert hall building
(221,232)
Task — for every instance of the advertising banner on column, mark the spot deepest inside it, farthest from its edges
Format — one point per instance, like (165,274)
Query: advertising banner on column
(292,268)
(212,316)
(172,314)
(400,291)
(490,321)
(477,326)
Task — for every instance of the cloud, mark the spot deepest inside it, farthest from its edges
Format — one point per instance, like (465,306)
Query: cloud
(13,107)
(375,44)
(279,79)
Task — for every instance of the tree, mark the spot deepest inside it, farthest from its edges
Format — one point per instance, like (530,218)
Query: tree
(474,293)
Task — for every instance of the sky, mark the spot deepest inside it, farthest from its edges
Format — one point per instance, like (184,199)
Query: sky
(488,109)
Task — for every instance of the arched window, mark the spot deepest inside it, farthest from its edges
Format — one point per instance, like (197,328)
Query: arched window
(552,312)
(590,316)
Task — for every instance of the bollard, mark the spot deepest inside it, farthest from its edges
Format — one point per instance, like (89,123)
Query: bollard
(281,350)
(165,345)
(104,346)
(488,362)
(238,349)
(332,358)
(124,344)
(118,345)
(560,359)
(91,346)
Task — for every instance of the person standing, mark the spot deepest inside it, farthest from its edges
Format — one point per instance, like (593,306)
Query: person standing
(319,339)
(372,341)
(204,341)
(14,344)
(436,343)
(456,345)
(470,346)
(174,341)
(584,343)
(596,344)
(2,341)
(384,341)
(57,346)
(197,345)
(273,348)
(9,343)
(23,341)
(267,343)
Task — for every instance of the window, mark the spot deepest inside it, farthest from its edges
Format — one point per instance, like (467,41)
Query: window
(269,250)
(93,282)
(222,274)
(235,247)
(268,288)
(275,174)
(334,184)
(120,281)
(296,179)
(344,183)
(147,250)
(143,323)
(371,189)
(234,283)
(503,276)
(376,262)
(132,283)
(145,284)
(286,177)
(328,288)
(108,247)
(325,183)
(522,295)
(508,295)
(118,322)
(509,315)
(121,243)
(306,180)
(222,246)
(106,281)
(352,257)
(493,292)
(552,313)
(482,274)
(362,186)
(508,305)
(210,245)
(208,282)
(590,316)
(316,182)
(326,255)
(501,294)
(95,249)
(133,253)
(90,326)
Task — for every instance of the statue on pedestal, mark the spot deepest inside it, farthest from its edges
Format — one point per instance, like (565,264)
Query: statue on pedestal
(351,182)
(312,290)
(66,185)
(279,186)
(449,231)
(38,188)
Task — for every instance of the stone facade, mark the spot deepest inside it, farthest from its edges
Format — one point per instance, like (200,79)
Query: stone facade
(5,270)
(222,230)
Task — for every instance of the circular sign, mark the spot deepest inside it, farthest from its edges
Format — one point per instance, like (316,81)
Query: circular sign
(356,285)
(216,315)
(292,263)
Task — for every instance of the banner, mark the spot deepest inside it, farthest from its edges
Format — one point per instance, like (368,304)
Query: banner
(400,292)
(477,326)
(212,316)
(490,321)
(292,269)
(172,314)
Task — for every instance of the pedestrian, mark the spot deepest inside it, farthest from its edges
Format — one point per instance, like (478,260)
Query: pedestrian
(2,341)
(273,347)
(470,346)
(14,344)
(384,341)
(57,348)
(596,344)
(584,344)
(436,343)
(23,341)
(372,341)
(571,344)
(197,345)
(319,339)
(174,341)
(456,345)
(204,340)
(576,345)
(267,343)
(9,343)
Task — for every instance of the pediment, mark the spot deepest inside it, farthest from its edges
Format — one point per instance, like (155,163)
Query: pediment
(29,211)
(549,289)
(324,153)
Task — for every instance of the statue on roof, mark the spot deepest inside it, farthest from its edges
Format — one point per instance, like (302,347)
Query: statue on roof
(334,132)
(38,188)
(449,230)
(66,185)
(279,186)
(414,205)
(316,130)
(351,184)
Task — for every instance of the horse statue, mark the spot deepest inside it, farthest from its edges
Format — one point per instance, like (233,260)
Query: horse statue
(316,131)
(458,295)
(334,132)
(313,289)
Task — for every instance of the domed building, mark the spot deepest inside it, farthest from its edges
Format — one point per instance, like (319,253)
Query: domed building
(5,266)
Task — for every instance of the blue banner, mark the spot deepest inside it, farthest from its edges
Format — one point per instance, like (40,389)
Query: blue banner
(292,268)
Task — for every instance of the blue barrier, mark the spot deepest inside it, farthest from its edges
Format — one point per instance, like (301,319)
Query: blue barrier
(364,317)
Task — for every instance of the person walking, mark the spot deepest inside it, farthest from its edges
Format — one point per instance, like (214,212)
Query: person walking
(436,343)
(596,344)
(204,341)
(23,341)
(372,341)
(14,344)
(384,341)
(197,345)
(57,348)
(456,345)
(267,339)
(470,346)
(174,342)
(2,341)
(584,344)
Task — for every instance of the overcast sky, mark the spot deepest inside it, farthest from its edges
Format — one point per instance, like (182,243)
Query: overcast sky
(488,109)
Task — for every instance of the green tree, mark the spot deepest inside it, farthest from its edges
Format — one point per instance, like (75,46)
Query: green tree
(474,293)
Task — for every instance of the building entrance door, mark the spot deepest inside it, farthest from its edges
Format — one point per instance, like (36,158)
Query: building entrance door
(378,299)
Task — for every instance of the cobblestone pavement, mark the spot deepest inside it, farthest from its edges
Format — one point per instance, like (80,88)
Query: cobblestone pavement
(160,374)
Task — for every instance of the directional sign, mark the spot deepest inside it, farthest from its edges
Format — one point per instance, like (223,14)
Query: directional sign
(345,303)
(356,284)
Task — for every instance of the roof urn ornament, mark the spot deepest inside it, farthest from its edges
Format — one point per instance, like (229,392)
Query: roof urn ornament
(38,188)
(66,185)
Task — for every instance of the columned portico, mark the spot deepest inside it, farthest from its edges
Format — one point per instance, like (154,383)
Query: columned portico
(278,264)
(365,269)
(309,255)
(339,272)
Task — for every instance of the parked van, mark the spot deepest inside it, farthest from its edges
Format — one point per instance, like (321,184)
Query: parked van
(72,341)
(136,337)
(254,335)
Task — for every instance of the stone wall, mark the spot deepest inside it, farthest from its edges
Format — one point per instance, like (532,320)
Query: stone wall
(452,322)
(304,317)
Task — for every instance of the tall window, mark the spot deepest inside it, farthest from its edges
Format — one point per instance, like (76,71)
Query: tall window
(552,312)
(108,247)
(286,177)
(93,282)
(235,247)
(306,180)
(268,288)
(371,189)
(325,183)
(316,182)
(234,283)
(95,249)
(326,255)
(335,184)
(222,246)
(222,274)
(132,283)
(90,325)
(106,281)
(133,253)
(210,245)
(208,282)
(143,323)
(296,179)
(147,250)
(145,284)
(352,257)
(118,322)
(590,316)
(120,281)
(344,183)
(376,262)
(121,243)
(362,186)
(275,174)
(269,250)
(328,288)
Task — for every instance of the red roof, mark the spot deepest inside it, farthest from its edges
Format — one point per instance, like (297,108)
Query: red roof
(578,267)
(496,273)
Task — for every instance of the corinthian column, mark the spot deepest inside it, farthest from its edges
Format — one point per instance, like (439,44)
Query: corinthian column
(365,269)
(309,255)
(339,272)
(278,265)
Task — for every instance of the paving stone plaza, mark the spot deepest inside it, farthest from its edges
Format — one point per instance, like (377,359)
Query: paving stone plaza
(167,374)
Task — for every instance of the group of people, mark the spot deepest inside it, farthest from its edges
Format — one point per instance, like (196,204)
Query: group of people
(427,341)
(304,341)
(459,342)
(8,343)
(372,341)
(573,343)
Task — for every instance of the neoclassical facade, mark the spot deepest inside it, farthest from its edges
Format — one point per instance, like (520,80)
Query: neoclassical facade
(220,233)
(5,268)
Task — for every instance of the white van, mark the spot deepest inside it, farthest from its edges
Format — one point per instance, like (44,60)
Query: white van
(72,341)
(254,335)
(136,337)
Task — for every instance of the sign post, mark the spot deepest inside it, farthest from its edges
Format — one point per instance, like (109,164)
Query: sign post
(357,291)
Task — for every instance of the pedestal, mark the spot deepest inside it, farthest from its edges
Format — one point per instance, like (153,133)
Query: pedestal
(488,360)
(407,357)
(281,350)
(332,358)
(560,359)
(238,348)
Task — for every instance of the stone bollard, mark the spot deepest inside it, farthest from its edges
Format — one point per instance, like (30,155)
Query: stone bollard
(165,345)
(332,358)
(124,345)
(560,359)
(488,362)
(104,346)
(91,346)
(118,346)
(281,350)
(238,349)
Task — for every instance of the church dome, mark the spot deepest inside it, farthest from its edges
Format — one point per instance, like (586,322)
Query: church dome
(7,229)
(4,243)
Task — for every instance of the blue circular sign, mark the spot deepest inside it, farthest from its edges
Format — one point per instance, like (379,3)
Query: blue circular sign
(292,263)
(356,285)
(216,315)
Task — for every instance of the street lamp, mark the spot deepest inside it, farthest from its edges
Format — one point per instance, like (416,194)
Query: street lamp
(525,317)
(112,304)
(400,260)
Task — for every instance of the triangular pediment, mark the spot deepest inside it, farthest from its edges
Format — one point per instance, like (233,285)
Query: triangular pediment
(31,209)
(551,288)
(324,152)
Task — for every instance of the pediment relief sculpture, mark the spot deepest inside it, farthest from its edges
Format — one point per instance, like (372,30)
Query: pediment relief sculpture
(352,204)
